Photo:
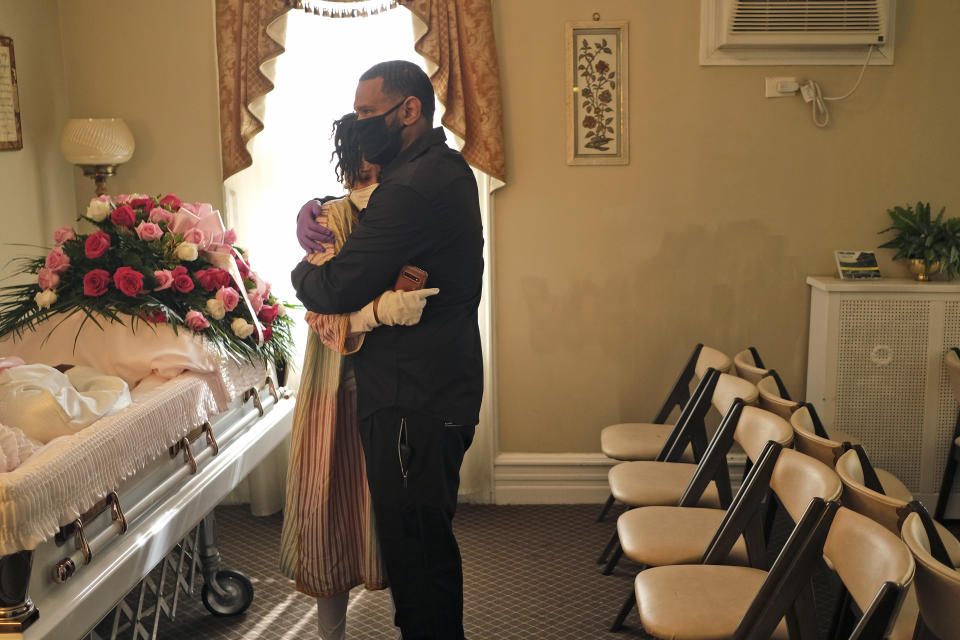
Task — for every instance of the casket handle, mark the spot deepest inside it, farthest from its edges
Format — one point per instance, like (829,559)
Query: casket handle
(80,541)
(253,393)
(211,440)
(273,389)
(188,458)
(116,513)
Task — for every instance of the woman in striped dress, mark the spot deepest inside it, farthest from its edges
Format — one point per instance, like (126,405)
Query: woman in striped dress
(328,543)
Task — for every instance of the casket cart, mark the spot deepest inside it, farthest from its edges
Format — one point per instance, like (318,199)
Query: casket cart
(85,521)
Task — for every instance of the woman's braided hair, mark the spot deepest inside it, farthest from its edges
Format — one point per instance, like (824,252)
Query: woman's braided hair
(346,149)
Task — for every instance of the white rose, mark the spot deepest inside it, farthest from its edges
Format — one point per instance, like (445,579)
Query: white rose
(281,310)
(98,210)
(215,309)
(186,251)
(45,298)
(241,328)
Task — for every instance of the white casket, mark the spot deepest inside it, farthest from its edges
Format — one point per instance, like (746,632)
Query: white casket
(84,520)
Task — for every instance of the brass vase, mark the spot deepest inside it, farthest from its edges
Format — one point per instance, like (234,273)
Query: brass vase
(921,270)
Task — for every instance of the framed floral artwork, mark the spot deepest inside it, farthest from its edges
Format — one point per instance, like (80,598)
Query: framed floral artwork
(596,88)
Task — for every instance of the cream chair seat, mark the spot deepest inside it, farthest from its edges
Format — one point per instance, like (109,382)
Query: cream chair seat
(706,602)
(747,365)
(888,509)
(644,440)
(937,586)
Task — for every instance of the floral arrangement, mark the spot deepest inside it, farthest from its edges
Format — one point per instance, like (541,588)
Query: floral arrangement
(921,236)
(157,261)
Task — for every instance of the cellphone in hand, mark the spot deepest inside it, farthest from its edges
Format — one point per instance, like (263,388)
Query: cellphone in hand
(411,278)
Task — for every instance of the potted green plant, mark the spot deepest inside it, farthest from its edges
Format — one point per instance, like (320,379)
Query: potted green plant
(928,244)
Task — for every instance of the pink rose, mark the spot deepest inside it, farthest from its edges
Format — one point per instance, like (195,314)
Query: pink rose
(123,216)
(96,245)
(48,278)
(182,282)
(164,279)
(129,281)
(63,234)
(96,282)
(149,231)
(145,202)
(171,201)
(57,261)
(121,199)
(229,237)
(196,236)
(268,313)
(160,215)
(228,297)
(244,268)
(267,333)
(196,321)
(256,301)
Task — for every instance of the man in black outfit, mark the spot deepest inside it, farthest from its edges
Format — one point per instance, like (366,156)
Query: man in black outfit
(419,387)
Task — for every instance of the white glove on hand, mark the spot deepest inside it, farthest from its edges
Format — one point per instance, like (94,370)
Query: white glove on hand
(402,307)
(393,308)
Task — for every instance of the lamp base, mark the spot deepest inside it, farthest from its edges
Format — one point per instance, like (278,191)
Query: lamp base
(99,173)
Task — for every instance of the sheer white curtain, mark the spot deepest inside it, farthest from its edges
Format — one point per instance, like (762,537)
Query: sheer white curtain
(315,80)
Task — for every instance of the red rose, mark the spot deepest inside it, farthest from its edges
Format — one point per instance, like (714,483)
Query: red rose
(267,334)
(154,316)
(128,280)
(268,313)
(96,282)
(123,216)
(142,202)
(179,271)
(182,282)
(96,245)
(211,279)
(171,201)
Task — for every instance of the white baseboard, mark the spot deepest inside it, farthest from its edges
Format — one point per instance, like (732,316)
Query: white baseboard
(562,478)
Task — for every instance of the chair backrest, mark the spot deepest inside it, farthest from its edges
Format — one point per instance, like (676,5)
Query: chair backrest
(937,585)
(857,496)
(711,358)
(823,449)
(798,478)
(746,366)
(772,400)
(866,556)
(952,361)
(757,427)
(728,389)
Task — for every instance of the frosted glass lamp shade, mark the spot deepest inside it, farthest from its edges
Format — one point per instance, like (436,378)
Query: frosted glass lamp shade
(96,141)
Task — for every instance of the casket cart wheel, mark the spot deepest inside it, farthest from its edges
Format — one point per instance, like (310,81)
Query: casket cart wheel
(236,594)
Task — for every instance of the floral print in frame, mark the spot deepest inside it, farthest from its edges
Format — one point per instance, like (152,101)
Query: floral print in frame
(597,91)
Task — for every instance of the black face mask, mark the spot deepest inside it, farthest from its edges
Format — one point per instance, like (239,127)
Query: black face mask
(378,143)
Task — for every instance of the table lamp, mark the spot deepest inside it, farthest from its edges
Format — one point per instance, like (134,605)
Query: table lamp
(97,145)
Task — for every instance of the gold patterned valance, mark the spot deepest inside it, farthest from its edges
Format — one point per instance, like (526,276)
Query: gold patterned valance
(459,40)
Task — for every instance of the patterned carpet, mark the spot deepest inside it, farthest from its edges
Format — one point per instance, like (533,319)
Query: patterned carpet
(530,573)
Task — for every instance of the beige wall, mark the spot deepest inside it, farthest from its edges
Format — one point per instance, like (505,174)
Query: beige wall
(36,188)
(154,65)
(607,276)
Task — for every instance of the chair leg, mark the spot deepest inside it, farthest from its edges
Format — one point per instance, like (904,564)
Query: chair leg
(802,617)
(948,474)
(613,541)
(614,559)
(606,508)
(769,517)
(625,610)
(840,615)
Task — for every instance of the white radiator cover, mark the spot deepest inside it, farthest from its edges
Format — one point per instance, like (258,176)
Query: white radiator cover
(875,370)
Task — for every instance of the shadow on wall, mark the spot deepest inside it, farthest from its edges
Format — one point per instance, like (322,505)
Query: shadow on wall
(728,286)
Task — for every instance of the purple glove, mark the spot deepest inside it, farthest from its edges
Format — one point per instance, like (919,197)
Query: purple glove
(312,235)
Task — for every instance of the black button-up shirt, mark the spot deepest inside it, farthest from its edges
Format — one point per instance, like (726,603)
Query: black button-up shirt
(426,213)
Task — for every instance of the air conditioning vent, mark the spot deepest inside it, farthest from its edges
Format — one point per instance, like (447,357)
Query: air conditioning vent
(791,23)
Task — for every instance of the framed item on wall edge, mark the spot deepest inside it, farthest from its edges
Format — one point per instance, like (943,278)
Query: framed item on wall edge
(596,93)
(11,137)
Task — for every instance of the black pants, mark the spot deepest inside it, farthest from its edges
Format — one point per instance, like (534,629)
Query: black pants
(413,469)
